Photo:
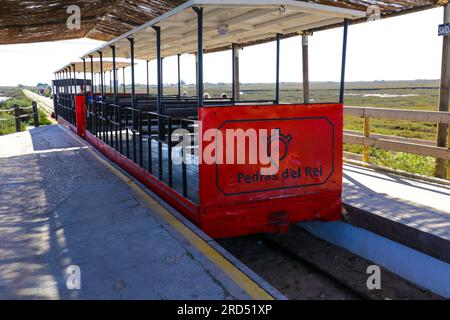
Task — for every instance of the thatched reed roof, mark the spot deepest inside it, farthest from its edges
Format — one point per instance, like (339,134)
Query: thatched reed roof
(24,21)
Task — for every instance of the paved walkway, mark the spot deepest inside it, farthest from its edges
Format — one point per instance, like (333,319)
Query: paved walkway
(44,103)
(418,204)
(61,206)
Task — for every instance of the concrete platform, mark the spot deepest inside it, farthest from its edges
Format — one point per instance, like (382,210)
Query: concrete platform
(412,212)
(61,204)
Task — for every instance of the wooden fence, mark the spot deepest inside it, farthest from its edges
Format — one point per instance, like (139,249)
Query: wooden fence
(393,143)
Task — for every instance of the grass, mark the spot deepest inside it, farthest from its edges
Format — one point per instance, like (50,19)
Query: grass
(7,122)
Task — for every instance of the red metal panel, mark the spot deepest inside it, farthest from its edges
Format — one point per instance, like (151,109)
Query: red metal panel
(63,122)
(185,206)
(236,199)
(80,109)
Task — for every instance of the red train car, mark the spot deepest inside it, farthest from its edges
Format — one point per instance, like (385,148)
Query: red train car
(232,166)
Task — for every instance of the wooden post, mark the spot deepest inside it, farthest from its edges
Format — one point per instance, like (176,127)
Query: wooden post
(35,114)
(366,153)
(237,87)
(448,162)
(17,116)
(444,96)
(305,57)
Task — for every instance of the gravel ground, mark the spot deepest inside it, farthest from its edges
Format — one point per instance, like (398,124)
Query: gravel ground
(301,279)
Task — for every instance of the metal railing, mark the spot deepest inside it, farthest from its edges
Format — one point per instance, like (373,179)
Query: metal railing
(146,138)
(395,143)
(19,116)
(66,108)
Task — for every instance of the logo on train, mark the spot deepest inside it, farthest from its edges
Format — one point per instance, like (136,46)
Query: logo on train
(282,146)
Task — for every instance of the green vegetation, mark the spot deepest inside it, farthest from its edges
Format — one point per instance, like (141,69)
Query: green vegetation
(7,120)
(404,161)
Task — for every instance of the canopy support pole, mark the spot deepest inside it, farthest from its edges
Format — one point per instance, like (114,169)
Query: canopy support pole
(69,87)
(305,58)
(179,76)
(74,79)
(124,85)
(69,78)
(148,78)
(158,70)
(101,75)
(200,84)
(277,84)
(113,51)
(92,76)
(344,61)
(84,83)
(444,97)
(133,85)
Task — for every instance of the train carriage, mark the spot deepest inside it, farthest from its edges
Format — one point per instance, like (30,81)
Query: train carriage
(205,155)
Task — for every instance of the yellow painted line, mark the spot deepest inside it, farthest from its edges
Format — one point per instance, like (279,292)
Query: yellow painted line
(240,278)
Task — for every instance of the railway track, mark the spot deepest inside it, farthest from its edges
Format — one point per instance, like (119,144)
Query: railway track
(321,272)
(303,267)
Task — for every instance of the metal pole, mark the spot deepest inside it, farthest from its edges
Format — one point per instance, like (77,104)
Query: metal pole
(84,82)
(69,89)
(148,79)
(113,49)
(69,77)
(110,81)
(158,70)
(124,86)
(179,75)
(92,76)
(305,58)
(74,79)
(102,89)
(200,84)
(277,84)
(133,87)
(444,96)
(344,60)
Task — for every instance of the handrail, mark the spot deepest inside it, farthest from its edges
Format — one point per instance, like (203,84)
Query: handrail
(394,143)
(398,114)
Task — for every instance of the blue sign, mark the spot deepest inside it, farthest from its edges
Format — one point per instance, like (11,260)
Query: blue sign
(444,29)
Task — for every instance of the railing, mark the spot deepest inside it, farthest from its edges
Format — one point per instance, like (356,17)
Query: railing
(146,138)
(393,143)
(18,116)
(66,108)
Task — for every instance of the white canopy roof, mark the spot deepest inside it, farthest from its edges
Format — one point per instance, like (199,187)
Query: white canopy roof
(243,22)
(107,65)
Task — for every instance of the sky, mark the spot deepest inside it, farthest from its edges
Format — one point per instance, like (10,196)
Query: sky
(401,48)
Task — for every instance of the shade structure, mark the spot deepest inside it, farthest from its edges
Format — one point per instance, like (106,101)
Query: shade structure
(107,66)
(106,19)
(226,22)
